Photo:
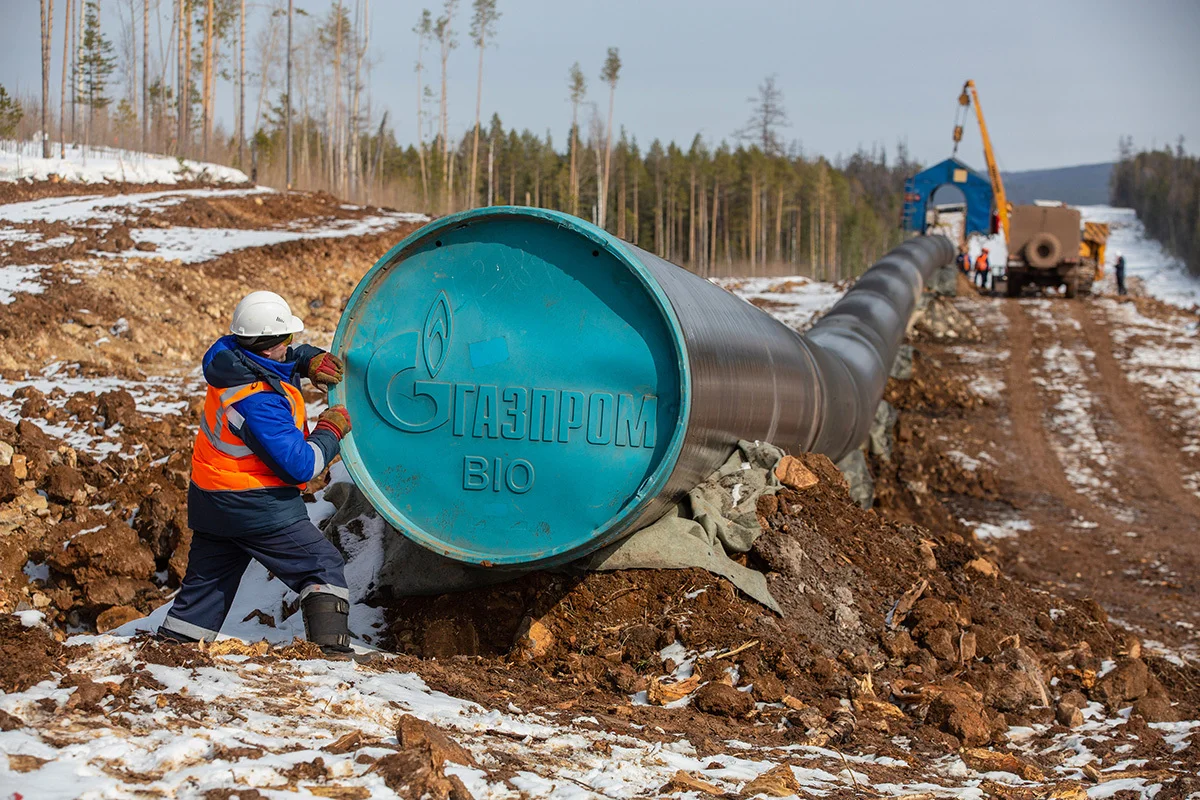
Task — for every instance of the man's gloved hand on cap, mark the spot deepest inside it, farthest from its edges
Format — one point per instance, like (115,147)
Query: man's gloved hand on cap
(325,370)
(335,419)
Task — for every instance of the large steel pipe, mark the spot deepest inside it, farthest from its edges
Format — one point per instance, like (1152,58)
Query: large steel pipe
(527,388)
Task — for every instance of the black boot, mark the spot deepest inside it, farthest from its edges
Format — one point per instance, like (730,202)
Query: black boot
(327,623)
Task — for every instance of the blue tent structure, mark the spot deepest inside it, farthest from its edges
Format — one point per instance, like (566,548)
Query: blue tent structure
(975,188)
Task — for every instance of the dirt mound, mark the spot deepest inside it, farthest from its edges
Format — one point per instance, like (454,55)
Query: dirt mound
(918,629)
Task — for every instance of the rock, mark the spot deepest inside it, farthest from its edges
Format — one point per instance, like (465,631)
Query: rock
(659,692)
(899,644)
(412,732)
(929,612)
(722,700)
(449,637)
(65,485)
(902,367)
(113,550)
(117,408)
(115,617)
(9,485)
(1155,708)
(768,689)
(966,647)
(10,723)
(30,437)
(1129,681)
(983,567)
(1018,682)
(944,281)
(982,760)
(778,781)
(1068,715)
(881,438)
(792,473)
(625,680)
(414,775)
(6,454)
(941,644)
(682,782)
(20,467)
(958,713)
(858,478)
(161,521)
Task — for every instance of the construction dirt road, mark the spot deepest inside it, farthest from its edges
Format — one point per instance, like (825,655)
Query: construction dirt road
(1017,616)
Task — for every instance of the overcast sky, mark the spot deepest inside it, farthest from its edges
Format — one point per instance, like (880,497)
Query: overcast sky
(1060,81)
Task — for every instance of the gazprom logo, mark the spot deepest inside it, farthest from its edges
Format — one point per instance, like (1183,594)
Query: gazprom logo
(402,385)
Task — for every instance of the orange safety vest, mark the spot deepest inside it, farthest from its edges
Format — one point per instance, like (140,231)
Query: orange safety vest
(981,263)
(221,461)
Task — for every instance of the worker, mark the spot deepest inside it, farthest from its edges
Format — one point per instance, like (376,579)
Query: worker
(963,261)
(1119,269)
(982,270)
(253,456)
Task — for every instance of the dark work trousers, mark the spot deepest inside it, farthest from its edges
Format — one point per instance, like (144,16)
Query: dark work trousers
(983,278)
(299,555)
(1120,281)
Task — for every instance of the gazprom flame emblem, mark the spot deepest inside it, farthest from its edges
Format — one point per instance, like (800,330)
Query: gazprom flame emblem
(439,327)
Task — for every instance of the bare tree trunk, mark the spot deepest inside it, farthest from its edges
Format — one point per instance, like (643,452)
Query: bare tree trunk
(574,150)
(268,60)
(47,7)
(692,221)
(621,206)
(726,226)
(637,220)
(833,245)
(76,44)
(206,86)
(659,244)
(420,127)
(354,105)
(288,100)
(187,75)
(241,122)
(491,171)
(779,226)
(445,122)
(145,75)
(472,197)
(752,237)
(62,94)
(712,253)
(612,92)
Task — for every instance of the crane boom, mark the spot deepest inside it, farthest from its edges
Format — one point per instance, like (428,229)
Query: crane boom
(971,95)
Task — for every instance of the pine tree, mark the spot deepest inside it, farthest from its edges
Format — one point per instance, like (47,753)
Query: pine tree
(483,27)
(96,65)
(610,74)
(578,89)
(11,113)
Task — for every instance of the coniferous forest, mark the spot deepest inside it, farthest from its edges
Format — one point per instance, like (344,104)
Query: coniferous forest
(1163,187)
(753,202)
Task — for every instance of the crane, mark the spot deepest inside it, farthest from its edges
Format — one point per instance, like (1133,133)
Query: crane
(969,95)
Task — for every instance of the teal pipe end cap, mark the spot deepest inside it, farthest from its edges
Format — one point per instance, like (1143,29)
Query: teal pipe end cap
(518,386)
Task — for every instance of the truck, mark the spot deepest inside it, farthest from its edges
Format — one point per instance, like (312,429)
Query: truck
(1050,246)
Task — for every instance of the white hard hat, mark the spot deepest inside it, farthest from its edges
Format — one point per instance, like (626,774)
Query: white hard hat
(264,314)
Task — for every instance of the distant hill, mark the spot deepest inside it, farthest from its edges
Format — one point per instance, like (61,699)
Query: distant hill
(1085,185)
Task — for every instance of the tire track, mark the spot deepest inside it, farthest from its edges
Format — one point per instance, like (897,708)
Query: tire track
(1041,474)
(1151,461)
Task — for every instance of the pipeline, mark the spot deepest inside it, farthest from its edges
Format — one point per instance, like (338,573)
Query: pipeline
(526,388)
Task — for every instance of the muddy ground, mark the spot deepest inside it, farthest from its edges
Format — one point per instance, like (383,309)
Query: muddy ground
(1029,562)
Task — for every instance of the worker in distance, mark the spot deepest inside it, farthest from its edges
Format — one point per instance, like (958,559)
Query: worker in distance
(252,458)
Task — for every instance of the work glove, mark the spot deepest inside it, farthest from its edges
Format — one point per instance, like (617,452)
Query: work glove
(336,420)
(325,370)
